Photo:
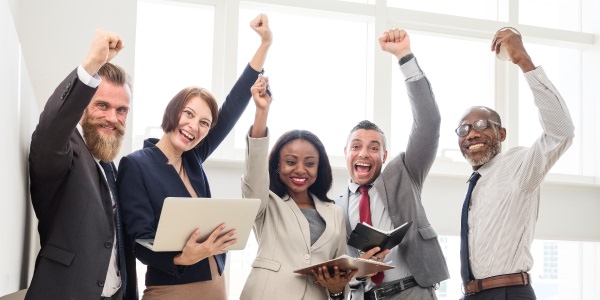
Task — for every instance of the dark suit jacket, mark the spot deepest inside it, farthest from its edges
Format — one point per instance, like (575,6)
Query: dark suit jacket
(72,202)
(145,180)
(401,182)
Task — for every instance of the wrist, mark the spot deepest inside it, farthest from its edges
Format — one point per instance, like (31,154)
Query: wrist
(338,295)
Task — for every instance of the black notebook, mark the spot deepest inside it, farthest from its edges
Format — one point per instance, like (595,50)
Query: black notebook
(365,237)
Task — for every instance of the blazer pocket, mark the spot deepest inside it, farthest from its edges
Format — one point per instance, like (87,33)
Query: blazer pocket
(58,255)
(427,232)
(265,263)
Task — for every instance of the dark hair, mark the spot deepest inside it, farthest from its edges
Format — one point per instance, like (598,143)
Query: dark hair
(175,107)
(495,115)
(115,74)
(324,175)
(367,125)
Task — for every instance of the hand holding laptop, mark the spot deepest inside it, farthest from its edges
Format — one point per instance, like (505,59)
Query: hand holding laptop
(194,251)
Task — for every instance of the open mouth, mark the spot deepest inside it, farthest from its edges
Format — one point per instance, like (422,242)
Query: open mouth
(187,135)
(362,168)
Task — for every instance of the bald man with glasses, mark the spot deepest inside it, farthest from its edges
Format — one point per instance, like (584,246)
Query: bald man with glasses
(502,201)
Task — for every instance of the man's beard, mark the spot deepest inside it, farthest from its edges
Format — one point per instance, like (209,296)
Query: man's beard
(491,153)
(103,147)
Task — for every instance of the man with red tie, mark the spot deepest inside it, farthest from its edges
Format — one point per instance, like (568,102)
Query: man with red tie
(389,198)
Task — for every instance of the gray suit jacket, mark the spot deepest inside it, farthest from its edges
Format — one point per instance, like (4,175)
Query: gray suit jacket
(399,186)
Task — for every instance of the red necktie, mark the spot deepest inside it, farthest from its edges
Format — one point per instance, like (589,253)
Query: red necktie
(364,210)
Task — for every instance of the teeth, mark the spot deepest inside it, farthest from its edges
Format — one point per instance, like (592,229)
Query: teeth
(108,127)
(187,135)
(363,164)
(475,146)
(299,179)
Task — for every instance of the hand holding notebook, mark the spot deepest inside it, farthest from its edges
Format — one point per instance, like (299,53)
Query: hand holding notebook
(365,237)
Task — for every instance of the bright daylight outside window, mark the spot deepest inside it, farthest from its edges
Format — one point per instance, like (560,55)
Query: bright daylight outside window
(321,69)
(318,68)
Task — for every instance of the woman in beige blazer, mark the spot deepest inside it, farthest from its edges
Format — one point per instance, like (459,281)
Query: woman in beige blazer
(297,225)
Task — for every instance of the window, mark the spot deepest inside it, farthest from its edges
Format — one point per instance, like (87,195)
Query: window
(559,14)
(319,70)
(327,74)
(174,46)
(487,10)
(467,79)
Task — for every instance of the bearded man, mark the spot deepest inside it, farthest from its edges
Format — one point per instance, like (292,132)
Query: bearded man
(502,202)
(83,254)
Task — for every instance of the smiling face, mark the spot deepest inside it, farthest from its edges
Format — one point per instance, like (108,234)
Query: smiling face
(103,121)
(298,167)
(479,147)
(365,155)
(194,123)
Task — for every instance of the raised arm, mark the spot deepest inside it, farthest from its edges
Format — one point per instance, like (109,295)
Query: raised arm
(263,102)
(424,134)
(558,129)
(239,96)
(51,152)
(260,24)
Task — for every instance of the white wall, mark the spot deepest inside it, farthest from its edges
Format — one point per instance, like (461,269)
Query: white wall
(13,174)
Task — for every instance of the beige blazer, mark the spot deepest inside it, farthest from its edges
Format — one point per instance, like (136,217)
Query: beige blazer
(283,235)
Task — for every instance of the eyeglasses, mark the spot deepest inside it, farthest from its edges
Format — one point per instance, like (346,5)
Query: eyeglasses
(478,125)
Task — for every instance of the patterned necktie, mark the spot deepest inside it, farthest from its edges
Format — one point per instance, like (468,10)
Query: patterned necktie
(364,210)
(465,266)
(112,184)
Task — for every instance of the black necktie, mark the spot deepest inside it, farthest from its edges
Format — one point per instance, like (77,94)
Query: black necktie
(112,184)
(465,266)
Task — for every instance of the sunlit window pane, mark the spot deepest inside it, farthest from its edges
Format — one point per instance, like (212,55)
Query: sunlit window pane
(478,9)
(174,47)
(317,69)
(461,75)
(563,68)
(559,14)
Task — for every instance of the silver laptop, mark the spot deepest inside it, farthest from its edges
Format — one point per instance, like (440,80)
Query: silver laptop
(180,216)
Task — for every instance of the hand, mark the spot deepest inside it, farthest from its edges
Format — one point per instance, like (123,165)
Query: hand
(194,252)
(514,47)
(333,283)
(260,24)
(105,46)
(395,41)
(375,254)
(259,93)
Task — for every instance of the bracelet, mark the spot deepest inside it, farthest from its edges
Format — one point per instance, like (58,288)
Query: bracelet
(336,294)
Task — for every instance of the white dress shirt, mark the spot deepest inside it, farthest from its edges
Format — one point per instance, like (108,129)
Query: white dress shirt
(505,201)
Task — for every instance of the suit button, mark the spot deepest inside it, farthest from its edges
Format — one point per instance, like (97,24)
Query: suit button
(100,283)
(108,245)
(307,256)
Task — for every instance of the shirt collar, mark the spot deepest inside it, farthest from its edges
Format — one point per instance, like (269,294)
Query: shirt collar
(486,168)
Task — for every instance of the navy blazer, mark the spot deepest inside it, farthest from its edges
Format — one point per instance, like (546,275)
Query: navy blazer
(145,180)
(72,202)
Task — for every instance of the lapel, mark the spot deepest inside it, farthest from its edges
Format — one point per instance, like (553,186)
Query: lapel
(327,213)
(102,185)
(169,174)
(300,218)
(343,203)
(379,185)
